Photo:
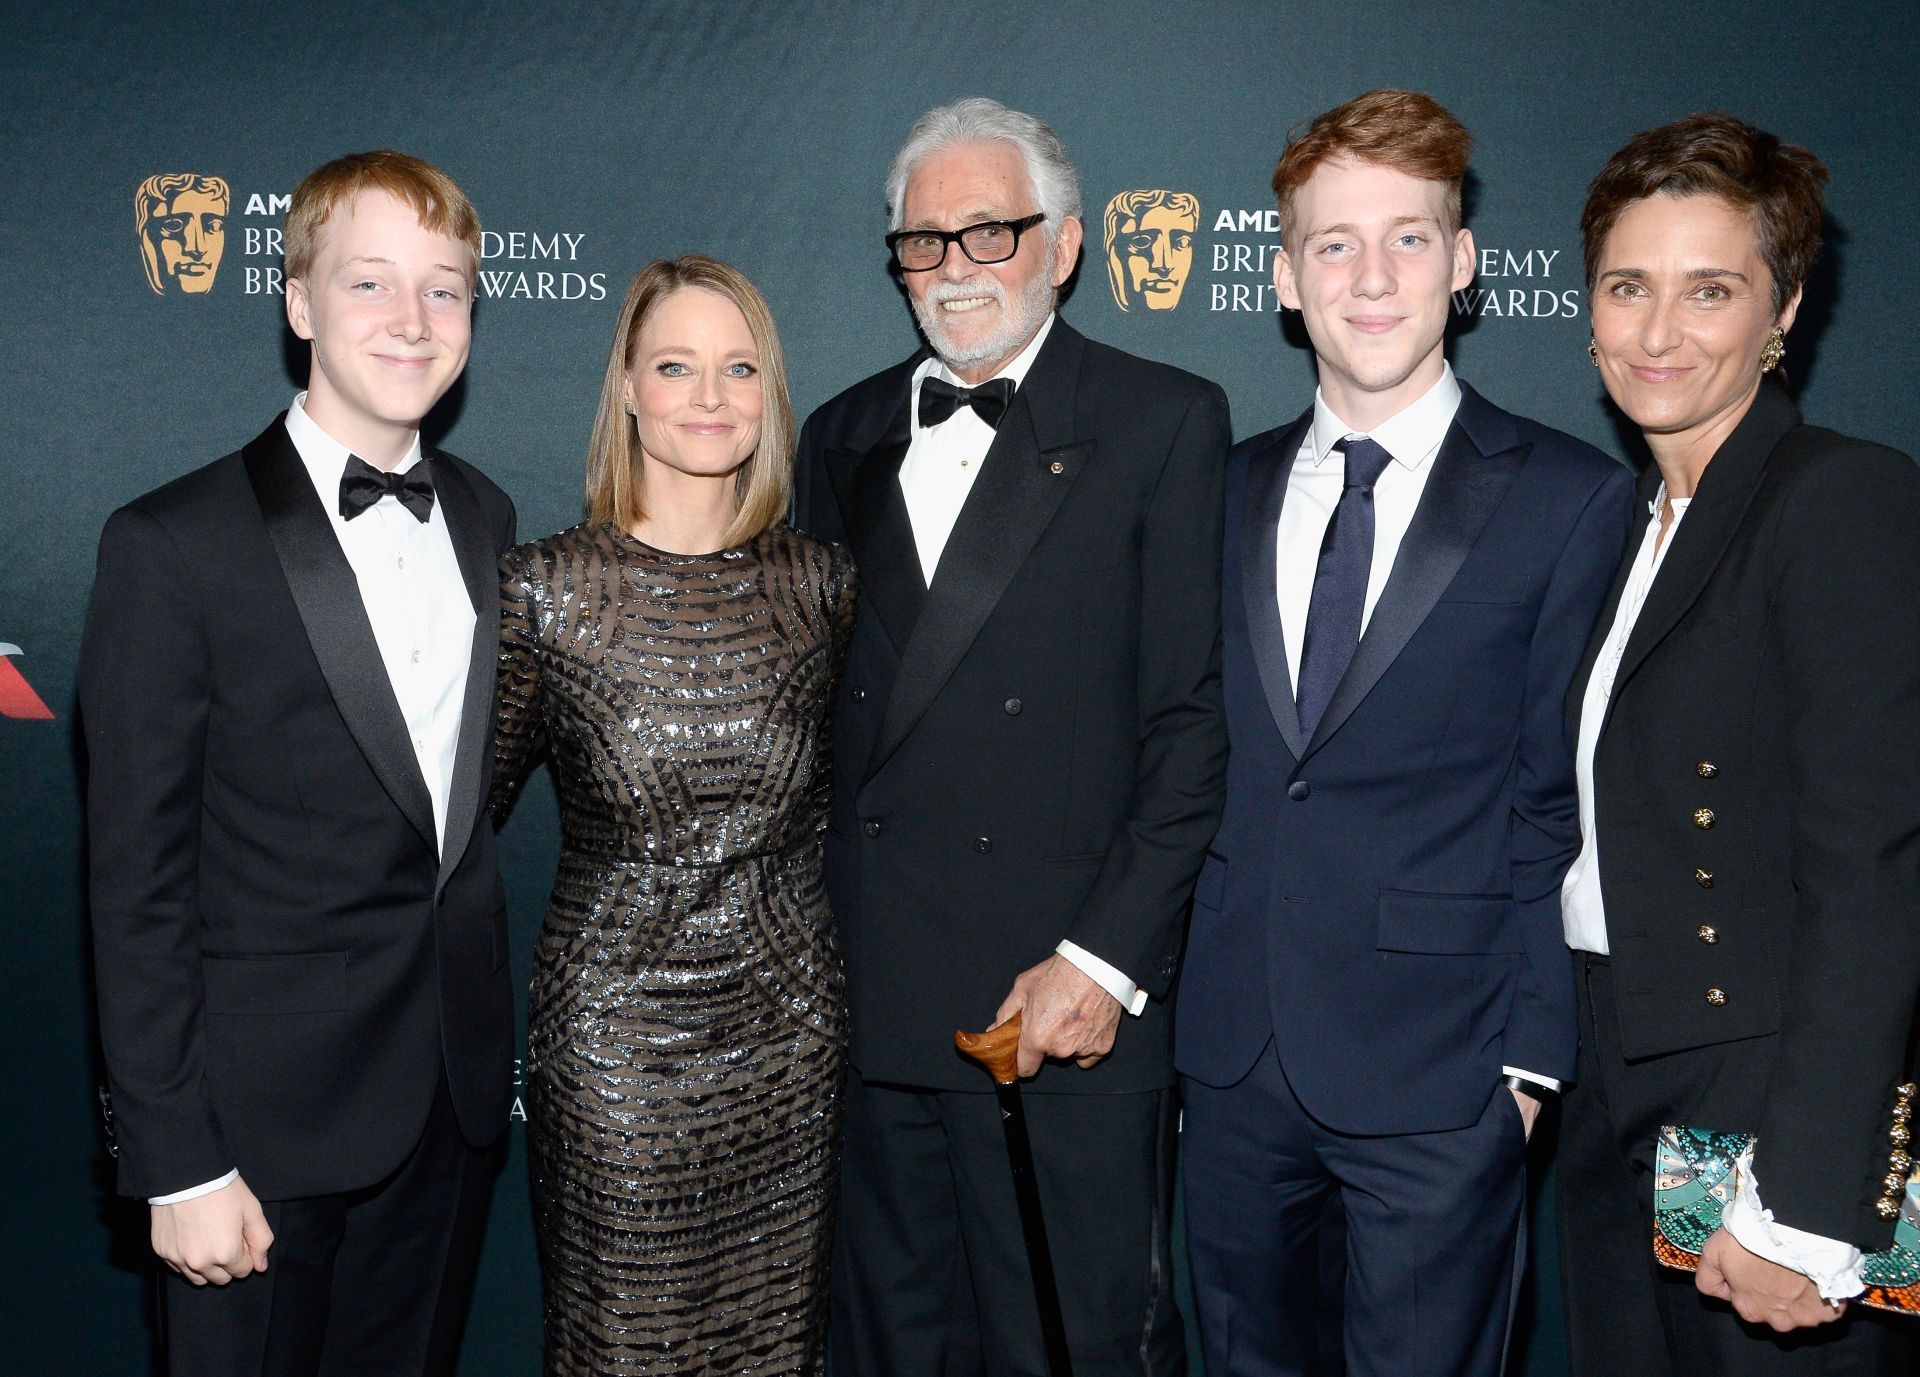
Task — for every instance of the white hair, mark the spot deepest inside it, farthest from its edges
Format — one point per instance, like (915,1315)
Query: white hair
(980,120)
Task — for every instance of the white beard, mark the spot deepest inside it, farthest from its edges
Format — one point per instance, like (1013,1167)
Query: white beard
(1020,319)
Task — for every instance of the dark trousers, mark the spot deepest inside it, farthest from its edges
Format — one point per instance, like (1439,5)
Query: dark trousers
(1625,1312)
(369,1283)
(1433,1228)
(930,1275)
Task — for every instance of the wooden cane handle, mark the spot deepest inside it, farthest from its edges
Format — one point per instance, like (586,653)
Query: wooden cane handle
(997,1049)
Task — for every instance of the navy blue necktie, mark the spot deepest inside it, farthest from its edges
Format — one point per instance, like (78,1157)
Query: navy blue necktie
(1339,585)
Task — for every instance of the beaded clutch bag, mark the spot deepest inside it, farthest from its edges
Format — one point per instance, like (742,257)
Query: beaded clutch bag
(1695,1175)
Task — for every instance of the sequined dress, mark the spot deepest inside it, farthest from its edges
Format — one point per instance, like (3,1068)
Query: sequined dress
(687,1023)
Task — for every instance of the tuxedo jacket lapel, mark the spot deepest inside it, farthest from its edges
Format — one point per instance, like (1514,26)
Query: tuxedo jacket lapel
(1649,484)
(866,484)
(1719,505)
(473,547)
(1476,465)
(1027,473)
(1266,494)
(328,598)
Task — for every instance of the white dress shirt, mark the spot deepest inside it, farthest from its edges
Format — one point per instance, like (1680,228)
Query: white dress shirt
(1318,477)
(422,618)
(1582,914)
(942,461)
(1413,436)
(1832,1264)
(935,477)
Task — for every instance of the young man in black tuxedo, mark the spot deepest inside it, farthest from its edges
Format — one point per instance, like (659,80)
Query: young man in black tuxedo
(1028,754)
(287,681)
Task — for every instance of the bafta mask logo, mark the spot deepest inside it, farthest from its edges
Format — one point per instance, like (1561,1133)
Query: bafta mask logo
(1150,247)
(181,218)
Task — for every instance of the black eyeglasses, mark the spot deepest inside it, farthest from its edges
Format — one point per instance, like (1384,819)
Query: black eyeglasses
(990,241)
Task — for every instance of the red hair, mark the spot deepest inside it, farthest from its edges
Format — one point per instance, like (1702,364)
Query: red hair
(1407,131)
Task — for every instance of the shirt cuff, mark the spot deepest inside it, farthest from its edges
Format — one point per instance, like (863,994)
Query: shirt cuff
(1546,1083)
(1132,998)
(194,1193)
(1833,1266)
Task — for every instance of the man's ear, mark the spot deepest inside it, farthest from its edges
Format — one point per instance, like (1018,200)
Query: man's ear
(299,309)
(1283,284)
(1066,249)
(1464,259)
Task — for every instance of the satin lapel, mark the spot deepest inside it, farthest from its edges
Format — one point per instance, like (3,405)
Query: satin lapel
(1719,505)
(328,598)
(474,548)
(1465,486)
(1603,628)
(1026,475)
(1266,494)
(866,483)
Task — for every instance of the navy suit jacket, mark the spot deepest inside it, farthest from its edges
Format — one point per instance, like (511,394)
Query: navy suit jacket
(1383,900)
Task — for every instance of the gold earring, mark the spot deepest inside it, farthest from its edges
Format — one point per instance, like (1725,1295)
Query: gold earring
(1775,351)
(1593,352)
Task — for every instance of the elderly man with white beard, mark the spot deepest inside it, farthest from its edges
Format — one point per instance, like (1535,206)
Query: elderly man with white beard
(1028,765)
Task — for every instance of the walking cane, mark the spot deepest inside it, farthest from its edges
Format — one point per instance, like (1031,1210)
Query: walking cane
(998,1049)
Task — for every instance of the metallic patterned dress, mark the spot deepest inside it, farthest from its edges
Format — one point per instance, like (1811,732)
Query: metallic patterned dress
(687,1025)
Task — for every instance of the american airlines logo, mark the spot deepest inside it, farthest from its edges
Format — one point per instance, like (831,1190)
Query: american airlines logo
(17,698)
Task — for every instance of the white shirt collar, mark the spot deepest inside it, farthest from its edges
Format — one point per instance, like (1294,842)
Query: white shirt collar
(1412,435)
(325,457)
(1017,369)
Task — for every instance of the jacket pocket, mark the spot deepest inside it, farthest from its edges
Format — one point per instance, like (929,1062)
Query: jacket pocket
(304,983)
(1446,924)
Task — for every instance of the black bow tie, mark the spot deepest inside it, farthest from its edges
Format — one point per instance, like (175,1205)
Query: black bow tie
(940,399)
(362,485)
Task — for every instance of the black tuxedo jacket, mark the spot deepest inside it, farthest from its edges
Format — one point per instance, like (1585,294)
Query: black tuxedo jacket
(1032,748)
(1773,679)
(284,965)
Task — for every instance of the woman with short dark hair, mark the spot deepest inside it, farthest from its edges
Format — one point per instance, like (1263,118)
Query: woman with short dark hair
(1745,909)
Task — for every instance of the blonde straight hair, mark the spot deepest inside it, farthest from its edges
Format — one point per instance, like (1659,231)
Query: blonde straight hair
(765,481)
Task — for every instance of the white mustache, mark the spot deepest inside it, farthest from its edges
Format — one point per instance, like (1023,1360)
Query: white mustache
(966,291)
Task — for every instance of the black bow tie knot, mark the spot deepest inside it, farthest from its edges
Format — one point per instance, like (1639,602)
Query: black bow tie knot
(939,399)
(362,485)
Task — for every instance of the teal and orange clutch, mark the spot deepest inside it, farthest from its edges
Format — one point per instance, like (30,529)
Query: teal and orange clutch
(1695,1176)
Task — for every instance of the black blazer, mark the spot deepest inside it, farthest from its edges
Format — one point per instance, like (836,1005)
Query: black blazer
(1757,798)
(283,964)
(1031,749)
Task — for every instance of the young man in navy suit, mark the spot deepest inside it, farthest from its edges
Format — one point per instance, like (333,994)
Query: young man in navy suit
(299,929)
(1377,996)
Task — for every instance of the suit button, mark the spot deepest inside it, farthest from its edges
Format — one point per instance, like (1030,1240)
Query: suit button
(1298,791)
(1887,1209)
(1716,997)
(1012,705)
(1706,769)
(872,829)
(1707,933)
(1703,818)
(859,695)
(983,844)
(1703,878)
